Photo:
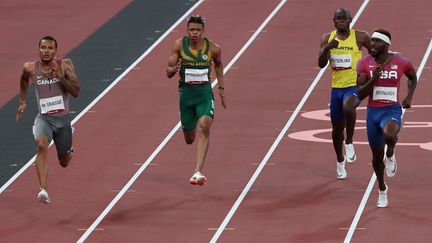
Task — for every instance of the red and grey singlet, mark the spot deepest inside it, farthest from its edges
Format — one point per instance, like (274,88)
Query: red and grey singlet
(50,96)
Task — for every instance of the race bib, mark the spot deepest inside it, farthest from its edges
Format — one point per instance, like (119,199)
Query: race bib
(52,105)
(385,93)
(196,75)
(340,61)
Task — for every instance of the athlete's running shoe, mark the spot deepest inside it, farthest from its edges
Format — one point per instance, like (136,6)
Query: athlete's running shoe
(43,196)
(350,153)
(340,170)
(390,165)
(382,198)
(198,179)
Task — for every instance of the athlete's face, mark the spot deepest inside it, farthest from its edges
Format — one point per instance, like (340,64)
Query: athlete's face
(342,21)
(378,47)
(47,50)
(195,31)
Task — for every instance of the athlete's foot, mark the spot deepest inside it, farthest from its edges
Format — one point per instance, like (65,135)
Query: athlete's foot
(340,170)
(382,198)
(350,153)
(390,165)
(198,179)
(43,196)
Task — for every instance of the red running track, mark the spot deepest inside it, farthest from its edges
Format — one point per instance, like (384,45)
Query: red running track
(69,21)
(296,198)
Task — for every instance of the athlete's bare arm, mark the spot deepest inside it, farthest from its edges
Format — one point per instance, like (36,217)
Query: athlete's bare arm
(363,39)
(69,80)
(27,74)
(325,48)
(217,60)
(365,85)
(412,84)
(174,59)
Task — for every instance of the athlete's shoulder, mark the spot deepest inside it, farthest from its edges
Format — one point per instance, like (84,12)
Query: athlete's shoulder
(66,60)
(214,47)
(325,37)
(402,60)
(29,66)
(398,57)
(365,60)
(363,38)
(66,63)
(361,33)
(178,44)
(367,57)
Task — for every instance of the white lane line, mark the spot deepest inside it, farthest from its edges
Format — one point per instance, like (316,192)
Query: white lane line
(101,95)
(165,141)
(373,177)
(281,134)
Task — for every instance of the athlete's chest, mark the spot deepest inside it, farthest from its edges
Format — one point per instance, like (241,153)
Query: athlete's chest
(390,76)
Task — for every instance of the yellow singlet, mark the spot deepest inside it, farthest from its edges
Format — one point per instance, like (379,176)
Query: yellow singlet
(343,61)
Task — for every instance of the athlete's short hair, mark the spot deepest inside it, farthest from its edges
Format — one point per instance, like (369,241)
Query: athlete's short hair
(384,32)
(196,19)
(50,38)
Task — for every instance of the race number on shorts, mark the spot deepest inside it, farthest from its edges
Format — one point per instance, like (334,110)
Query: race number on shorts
(52,105)
(196,75)
(340,61)
(385,93)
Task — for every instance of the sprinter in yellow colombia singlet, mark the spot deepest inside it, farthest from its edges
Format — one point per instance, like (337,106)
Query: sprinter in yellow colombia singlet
(342,48)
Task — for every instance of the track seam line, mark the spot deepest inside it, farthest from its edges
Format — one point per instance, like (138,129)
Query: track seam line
(169,136)
(373,177)
(281,134)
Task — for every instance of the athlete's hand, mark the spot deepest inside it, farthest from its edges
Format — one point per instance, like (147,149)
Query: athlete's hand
(21,108)
(377,72)
(222,96)
(56,69)
(175,69)
(406,103)
(332,44)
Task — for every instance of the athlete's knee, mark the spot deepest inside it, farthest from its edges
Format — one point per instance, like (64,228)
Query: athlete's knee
(390,138)
(64,160)
(349,106)
(189,140)
(189,137)
(42,144)
(204,125)
(391,130)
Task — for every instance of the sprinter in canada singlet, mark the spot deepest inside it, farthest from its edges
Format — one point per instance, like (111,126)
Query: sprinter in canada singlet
(54,80)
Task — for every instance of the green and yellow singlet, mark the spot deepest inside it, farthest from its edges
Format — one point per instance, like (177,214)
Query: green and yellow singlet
(343,61)
(195,70)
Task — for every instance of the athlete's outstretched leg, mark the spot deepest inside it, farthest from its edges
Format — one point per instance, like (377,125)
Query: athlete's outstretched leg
(349,108)
(390,132)
(204,124)
(42,161)
(338,138)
